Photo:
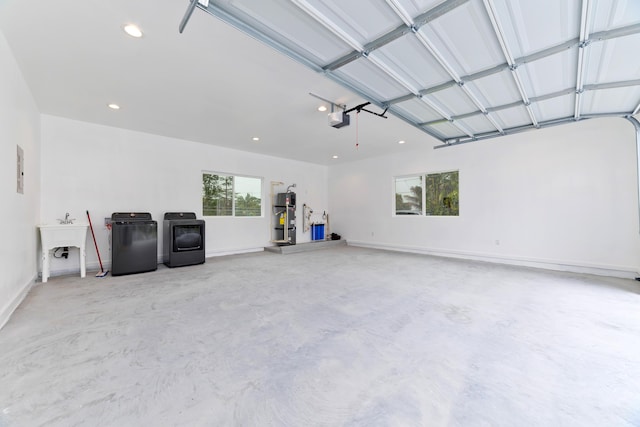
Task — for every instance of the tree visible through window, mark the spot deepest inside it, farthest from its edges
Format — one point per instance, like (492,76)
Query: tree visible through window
(439,197)
(442,194)
(228,195)
(248,196)
(409,195)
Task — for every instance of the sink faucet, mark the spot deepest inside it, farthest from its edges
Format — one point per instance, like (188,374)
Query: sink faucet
(66,219)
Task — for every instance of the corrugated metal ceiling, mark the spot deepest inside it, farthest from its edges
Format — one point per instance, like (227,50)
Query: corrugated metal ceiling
(462,70)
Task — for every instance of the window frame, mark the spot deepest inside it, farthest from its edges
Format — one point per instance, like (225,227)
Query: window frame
(234,193)
(407,211)
(424,176)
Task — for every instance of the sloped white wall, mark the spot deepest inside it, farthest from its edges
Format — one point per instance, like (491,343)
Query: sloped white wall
(19,125)
(563,198)
(104,170)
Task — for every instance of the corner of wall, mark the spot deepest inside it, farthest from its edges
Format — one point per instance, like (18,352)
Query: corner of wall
(18,261)
(13,304)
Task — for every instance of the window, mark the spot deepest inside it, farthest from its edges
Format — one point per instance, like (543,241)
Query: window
(437,197)
(248,193)
(229,195)
(442,194)
(409,195)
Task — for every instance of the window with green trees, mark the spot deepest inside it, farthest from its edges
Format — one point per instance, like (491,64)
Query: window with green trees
(435,194)
(230,195)
(409,195)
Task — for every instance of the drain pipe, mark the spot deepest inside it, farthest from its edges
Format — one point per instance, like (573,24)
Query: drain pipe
(636,124)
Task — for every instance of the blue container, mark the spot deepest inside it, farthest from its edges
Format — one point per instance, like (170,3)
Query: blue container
(317,231)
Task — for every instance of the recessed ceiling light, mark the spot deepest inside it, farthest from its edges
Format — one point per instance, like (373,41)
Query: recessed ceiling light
(133,30)
(114,106)
(335,157)
(255,138)
(322,108)
(401,142)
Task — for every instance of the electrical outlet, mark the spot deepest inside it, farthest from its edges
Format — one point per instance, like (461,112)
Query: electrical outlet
(107,222)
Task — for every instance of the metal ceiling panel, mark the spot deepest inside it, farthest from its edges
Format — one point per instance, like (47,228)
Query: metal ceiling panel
(447,130)
(417,111)
(615,13)
(532,26)
(465,39)
(285,24)
(478,124)
(462,70)
(408,56)
(609,100)
(361,20)
(550,74)
(457,102)
(496,89)
(560,107)
(414,8)
(619,60)
(514,117)
(365,76)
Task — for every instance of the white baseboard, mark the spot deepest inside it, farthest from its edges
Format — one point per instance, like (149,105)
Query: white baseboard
(556,265)
(234,252)
(95,265)
(10,307)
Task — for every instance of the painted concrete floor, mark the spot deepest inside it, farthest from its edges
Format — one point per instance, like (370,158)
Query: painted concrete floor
(338,337)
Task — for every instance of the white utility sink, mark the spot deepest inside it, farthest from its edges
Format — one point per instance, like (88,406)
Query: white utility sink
(59,236)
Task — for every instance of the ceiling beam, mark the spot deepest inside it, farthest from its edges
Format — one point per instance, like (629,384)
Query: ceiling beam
(502,40)
(510,131)
(559,48)
(327,24)
(595,37)
(413,25)
(616,32)
(612,85)
(187,15)
(338,79)
(557,94)
(582,56)
(367,51)
(220,13)
(409,26)
(421,21)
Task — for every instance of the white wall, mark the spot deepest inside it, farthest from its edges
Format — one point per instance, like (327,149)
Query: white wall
(104,170)
(19,125)
(563,197)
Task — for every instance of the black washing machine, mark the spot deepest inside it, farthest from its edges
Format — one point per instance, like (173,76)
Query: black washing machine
(134,243)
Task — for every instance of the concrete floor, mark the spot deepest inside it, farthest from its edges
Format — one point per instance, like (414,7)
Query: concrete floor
(338,337)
